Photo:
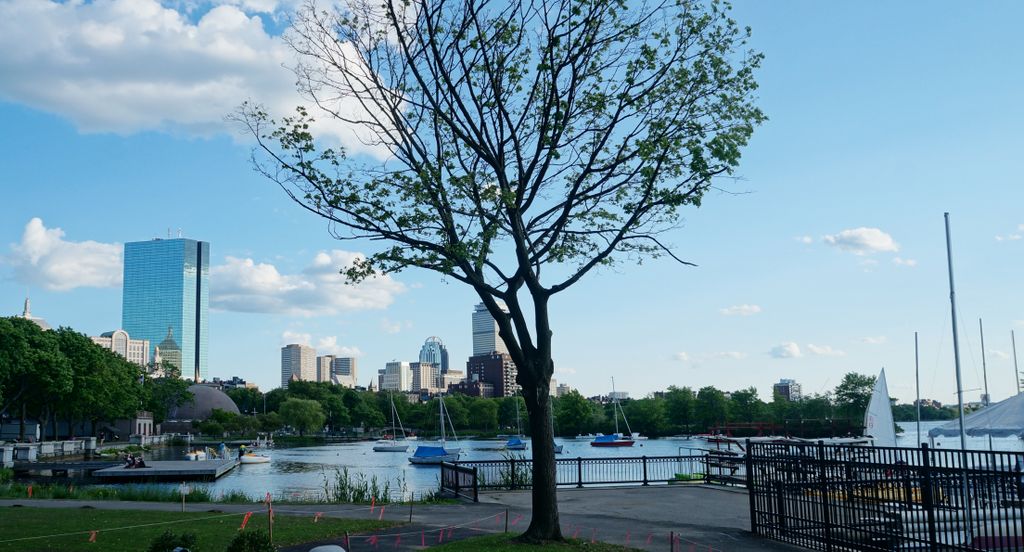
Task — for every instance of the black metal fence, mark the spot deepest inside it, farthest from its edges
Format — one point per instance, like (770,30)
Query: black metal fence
(517,472)
(831,497)
(459,481)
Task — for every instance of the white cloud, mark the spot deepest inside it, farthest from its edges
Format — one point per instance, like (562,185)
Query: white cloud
(243,285)
(1001,355)
(289,337)
(824,350)
(904,262)
(740,310)
(328,345)
(565,371)
(681,356)
(807,240)
(387,326)
(127,66)
(862,241)
(727,355)
(44,258)
(1009,237)
(786,350)
(876,340)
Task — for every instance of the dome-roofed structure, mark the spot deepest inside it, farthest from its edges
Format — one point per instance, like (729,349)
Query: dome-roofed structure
(204,400)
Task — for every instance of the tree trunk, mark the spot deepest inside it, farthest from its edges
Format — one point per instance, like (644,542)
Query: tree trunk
(544,524)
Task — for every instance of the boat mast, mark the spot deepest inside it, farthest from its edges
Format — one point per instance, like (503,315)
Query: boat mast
(440,416)
(984,375)
(917,384)
(959,383)
(615,404)
(1016,374)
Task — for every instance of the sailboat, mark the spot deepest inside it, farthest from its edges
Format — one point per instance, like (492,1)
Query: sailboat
(617,439)
(395,444)
(878,422)
(515,442)
(426,454)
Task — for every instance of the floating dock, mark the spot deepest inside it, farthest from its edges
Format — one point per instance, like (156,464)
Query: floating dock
(176,470)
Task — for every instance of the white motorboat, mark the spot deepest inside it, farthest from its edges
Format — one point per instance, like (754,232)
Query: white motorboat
(251,458)
(195,455)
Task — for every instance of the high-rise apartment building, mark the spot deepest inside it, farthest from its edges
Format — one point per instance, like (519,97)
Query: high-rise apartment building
(496,369)
(344,371)
(297,362)
(134,350)
(434,352)
(787,389)
(396,376)
(323,367)
(426,377)
(562,390)
(166,296)
(485,331)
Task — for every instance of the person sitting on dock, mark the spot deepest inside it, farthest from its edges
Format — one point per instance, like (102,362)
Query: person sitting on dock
(129,460)
(139,462)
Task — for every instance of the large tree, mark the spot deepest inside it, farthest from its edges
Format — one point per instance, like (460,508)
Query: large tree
(518,136)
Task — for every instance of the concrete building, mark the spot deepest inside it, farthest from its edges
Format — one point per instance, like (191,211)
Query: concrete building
(485,331)
(453,377)
(562,390)
(234,383)
(496,369)
(396,376)
(426,377)
(618,395)
(787,389)
(134,350)
(434,352)
(323,367)
(297,362)
(344,372)
(473,389)
(166,295)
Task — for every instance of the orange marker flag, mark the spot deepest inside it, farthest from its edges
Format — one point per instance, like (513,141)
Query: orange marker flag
(30,491)
(92,536)
(317,516)
(245,520)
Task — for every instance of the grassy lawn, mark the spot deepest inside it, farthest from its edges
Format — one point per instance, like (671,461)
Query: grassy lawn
(503,543)
(214,531)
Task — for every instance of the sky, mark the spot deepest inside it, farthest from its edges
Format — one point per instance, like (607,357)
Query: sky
(824,258)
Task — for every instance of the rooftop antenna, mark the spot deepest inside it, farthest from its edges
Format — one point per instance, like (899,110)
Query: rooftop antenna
(168,232)
(179,232)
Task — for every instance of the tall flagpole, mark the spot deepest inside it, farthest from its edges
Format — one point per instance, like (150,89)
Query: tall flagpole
(959,382)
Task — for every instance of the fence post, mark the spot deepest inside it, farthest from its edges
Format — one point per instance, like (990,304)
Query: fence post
(476,486)
(826,506)
(927,499)
(780,505)
(748,462)
(512,463)
(453,471)
(644,458)
(579,472)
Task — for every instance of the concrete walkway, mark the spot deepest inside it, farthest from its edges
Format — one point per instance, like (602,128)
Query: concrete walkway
(703,518)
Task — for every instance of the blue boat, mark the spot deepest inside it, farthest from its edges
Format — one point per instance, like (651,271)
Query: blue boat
(432,455)
(515,443)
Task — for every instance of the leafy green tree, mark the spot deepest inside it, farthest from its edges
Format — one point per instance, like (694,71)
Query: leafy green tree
(274,398)
(211,428)
(647,416)
(483,414)
(33,370)
(303,415)
(247,399)
(163,394)
(574,414)
(679,406)
(853,394)
(269,422)
(711,408)
(105,386)
(518,136)
(507,412)
(744,406)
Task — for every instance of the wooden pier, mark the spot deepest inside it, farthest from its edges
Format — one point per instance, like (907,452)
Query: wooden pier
(175,470)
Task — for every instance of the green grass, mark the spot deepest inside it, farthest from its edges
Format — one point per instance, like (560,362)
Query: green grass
(504,543)
(214,531)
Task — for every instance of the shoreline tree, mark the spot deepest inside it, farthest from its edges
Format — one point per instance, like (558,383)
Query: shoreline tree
(524,145)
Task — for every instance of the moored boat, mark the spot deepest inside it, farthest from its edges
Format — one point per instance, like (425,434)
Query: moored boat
(432,455)
(251,458)
(612,441)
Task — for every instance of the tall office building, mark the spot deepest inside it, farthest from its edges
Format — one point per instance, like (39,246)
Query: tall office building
(166,300)
(297,362)
(323,367)
(496,369)
(344,371)
(426,377)
(788,389)
(434,352)
(485,331)
(396,376)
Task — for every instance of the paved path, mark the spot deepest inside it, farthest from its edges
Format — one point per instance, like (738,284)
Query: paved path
(704,518)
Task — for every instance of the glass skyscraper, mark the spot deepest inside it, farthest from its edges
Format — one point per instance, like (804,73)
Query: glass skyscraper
(434,352)
(166,299)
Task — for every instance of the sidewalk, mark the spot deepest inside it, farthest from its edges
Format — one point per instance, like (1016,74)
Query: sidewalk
(704,518)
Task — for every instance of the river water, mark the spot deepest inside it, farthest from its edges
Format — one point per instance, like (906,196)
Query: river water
(301,473)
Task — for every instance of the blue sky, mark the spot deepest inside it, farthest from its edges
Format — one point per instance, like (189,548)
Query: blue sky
(882,117)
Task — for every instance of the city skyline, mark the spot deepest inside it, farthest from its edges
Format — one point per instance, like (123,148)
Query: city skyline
(823,257)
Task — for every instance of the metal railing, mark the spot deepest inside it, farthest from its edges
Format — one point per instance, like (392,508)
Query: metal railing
(459,481)
(886,498)
(517,473)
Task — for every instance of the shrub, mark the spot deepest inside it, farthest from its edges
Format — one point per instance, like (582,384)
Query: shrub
(168,541)
(6,475)
(251,541)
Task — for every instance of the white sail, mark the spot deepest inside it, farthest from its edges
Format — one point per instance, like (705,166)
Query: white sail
(878,422)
